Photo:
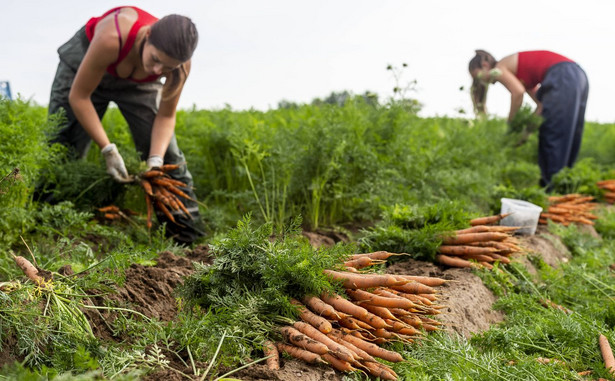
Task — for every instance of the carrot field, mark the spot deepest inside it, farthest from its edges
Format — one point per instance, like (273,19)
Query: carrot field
(347,240)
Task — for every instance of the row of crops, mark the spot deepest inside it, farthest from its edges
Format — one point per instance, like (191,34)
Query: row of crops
(378,175)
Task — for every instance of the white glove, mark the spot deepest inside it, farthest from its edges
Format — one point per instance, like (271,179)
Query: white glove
(154,161)
(115,164)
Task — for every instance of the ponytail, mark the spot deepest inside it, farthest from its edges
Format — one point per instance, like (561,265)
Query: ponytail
(478,92)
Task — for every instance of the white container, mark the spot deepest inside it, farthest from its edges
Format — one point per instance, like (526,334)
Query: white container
(523,214)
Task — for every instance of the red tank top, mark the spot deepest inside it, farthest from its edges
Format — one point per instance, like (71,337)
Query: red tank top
(143,19)
(533,65)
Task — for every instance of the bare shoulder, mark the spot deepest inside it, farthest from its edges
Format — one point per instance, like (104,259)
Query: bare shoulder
(509,62)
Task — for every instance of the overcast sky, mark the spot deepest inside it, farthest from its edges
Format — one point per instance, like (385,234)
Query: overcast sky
(253,54)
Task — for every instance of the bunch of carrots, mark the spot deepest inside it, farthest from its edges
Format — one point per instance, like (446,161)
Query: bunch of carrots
(163,191)
(346,333)
(480,245)
(609,187)
(569,208)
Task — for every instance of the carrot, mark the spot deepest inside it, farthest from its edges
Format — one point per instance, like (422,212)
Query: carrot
(152,173)
(298,353)
(309,317)
(414,288)
(487,228)
(112,216)
(337,336)
(362,262)
(474,237)
(426,280)
(454,261)
(341,365)
(373,349)
(110,208)
(147,187)
(412,320)
(377,300)
(302,341)
(183,208)
(354,280)
(171,167)
(28,269)
(178,192)
(376,255)
(273,361)
(150,208)
(164,209)
(374,320)
(607,354)
(350,323)
(383,312)
(344,305)
(339,350)
(380,370)
(465,250)
(488,220)
(320,307)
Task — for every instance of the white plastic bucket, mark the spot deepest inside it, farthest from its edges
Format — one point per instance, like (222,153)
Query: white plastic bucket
(523,214)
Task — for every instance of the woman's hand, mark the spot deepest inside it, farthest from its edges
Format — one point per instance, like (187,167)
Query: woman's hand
(115,164)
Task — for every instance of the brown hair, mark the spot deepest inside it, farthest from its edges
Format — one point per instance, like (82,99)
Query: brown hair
(478,92)
(177,37)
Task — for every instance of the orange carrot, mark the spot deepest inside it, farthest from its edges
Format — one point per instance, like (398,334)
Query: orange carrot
(379,370)
(354,280)
(383,312)
(373,349)
(487,228)
(426,280)
(112,216)
(309,317)
(377,300)
(607,354)
(178,192)
(454,261)
(465,250)
(150,209)
(488,220)
(341,365)
(147,187)
(171,167)
(303,341)
(152,173)
(28,269)
(362,262)
(376,255)
(110,208)
(339,350)
(345,306)
(474,237)
(337,336)
(414,288)
(298,353)
(164,210)
(320,307)
(273,362)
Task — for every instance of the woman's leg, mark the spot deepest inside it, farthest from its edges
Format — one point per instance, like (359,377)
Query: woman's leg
(561,96)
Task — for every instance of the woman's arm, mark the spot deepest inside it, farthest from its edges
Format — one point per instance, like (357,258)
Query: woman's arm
(516,89)
(102,52)
(164,123)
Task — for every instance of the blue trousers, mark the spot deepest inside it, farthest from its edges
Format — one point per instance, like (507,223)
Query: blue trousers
(563,94)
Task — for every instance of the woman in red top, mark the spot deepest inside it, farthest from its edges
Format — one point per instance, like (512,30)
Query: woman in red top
(558,86)
(121,57)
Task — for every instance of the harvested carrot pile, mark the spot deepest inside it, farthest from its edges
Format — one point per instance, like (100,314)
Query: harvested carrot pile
(569,208)
(162,191)
(480,245)
(346,333)
(609,187)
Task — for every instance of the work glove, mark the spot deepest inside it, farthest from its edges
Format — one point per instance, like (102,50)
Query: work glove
(115,164)
(154,161)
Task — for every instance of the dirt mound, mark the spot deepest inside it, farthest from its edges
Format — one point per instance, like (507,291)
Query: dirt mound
(149,289)
(468,302)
